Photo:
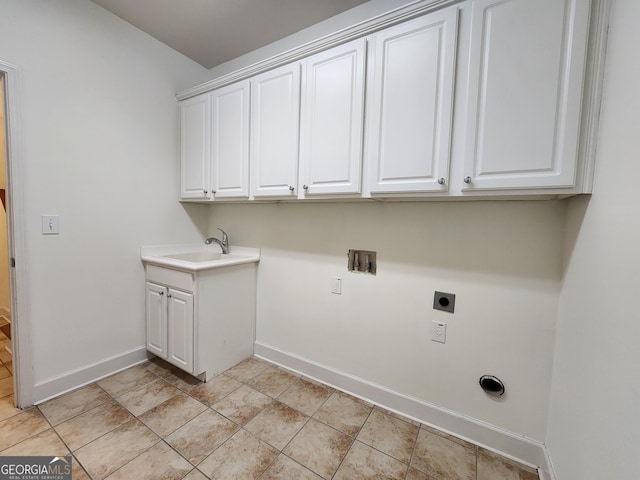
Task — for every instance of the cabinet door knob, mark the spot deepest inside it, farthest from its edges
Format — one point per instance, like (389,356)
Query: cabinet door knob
(205,192)
(291,189)
(161,293)
(169,296)
(467,179)
(442,181)
(306,187)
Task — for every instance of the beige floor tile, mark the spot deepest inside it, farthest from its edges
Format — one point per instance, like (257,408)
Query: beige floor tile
(273,381)
(306,396)
(195,475)
(129,379)
(171,414)
(247,369)
(319,447)
(15,429)
(201,436)
(343,412)
(86,427)
(492,466)
(277,424)
(108,453)
(6,386)
(363,463)
(390,435)
(243,456)
(44,443)
(159,462)
(74,403)
(215,390)
(148,396)
(242,405)
(442,458)
(414,474)
(77,472)
(4,372)
(7,408)
(283,468)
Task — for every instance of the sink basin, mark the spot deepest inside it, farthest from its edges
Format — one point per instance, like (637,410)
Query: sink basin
(197,257)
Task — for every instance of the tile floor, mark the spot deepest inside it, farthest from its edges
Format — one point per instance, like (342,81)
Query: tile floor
(256,420)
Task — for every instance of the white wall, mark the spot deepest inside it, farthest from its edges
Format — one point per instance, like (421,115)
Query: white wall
(101,149)
(501,259)
(594,409)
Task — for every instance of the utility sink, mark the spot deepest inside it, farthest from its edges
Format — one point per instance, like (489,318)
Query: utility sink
(197,257)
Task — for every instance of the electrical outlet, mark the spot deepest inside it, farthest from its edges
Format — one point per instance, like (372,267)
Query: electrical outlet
(438,331)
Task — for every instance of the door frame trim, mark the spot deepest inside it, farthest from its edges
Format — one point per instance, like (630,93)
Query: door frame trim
(20,319)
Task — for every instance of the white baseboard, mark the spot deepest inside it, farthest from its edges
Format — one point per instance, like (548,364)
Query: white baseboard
(504,442)
(60,384)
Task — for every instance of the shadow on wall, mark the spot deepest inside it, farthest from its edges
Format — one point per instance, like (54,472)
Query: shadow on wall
(576,211)
(521,238)
(199,214)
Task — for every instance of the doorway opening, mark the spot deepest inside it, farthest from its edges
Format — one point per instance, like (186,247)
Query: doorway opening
(6,349)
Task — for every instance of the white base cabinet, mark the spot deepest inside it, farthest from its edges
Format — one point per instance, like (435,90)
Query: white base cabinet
(170,325)
(202,322)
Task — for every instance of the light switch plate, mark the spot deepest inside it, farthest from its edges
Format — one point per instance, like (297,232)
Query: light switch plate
(438,331)
(50,224)
(336,285)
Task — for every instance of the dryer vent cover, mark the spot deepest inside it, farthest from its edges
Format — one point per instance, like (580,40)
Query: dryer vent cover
(492,385)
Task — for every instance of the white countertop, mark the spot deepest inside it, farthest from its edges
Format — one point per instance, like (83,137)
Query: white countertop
(158,255)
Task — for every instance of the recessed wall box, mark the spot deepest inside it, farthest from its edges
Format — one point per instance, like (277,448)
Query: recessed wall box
(444,301)
(363,261)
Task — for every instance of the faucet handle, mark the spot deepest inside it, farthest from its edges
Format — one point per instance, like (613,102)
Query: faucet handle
(225,237)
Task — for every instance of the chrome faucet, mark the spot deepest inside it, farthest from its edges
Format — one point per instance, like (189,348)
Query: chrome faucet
(224,243)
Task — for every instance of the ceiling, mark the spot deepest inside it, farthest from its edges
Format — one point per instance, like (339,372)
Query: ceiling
(212,32)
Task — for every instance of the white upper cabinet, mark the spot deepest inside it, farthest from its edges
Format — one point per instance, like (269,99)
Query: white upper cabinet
(409,111)
(195,144)
(331,123)
(230,141)
(526,67)
(275,107)
(482,98)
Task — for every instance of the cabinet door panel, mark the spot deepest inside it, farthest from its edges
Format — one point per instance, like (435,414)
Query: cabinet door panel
(180,329)
(156,311)
(524,93)
(332,120)
(410,113)
(275,108)
(195,146)
(230,141)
